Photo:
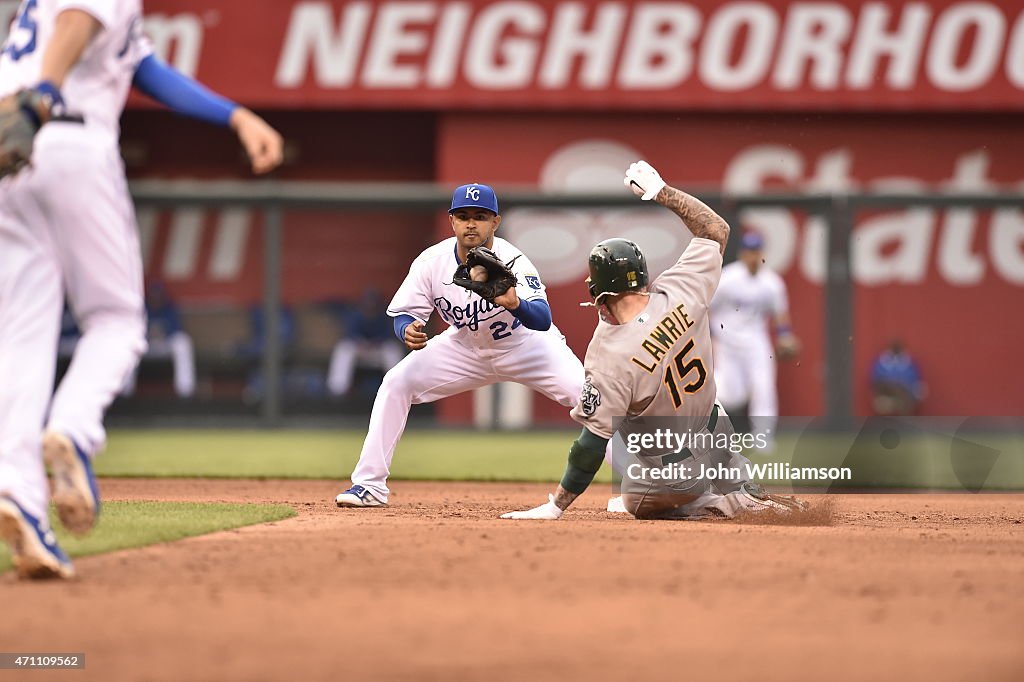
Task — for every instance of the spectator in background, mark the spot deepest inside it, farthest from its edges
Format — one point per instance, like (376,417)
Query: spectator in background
(167,338)
(253,348)
(749,304)
(896,384)
(367,339)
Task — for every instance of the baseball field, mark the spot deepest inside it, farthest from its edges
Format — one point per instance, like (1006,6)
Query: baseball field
(868,586)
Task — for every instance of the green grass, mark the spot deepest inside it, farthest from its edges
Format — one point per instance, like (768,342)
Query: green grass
(124,525)
(922,460)
(421,455)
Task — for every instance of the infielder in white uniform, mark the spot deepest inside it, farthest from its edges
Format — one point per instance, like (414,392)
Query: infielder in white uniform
(67,227)
(510,340)
(649,359)
(751,298)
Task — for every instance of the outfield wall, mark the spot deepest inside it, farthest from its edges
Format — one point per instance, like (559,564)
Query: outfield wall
(875,99)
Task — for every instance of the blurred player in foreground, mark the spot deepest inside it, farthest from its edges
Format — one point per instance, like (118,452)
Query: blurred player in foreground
(751,299)
(647,359)
(67,225)
(509,338)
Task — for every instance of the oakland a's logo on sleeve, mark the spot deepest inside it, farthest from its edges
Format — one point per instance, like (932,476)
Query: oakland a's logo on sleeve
(590,398)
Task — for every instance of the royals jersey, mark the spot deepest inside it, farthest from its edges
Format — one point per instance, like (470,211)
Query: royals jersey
(429,287)
(97,86)
(744,304)
(660,363)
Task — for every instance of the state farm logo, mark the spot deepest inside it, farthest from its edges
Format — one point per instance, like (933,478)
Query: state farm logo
(961,245)
(889,247)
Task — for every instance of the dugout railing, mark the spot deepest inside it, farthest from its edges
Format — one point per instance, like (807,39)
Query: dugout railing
(837,210)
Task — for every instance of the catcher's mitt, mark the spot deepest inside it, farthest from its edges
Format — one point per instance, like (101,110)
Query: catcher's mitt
(21,116)
(500,277)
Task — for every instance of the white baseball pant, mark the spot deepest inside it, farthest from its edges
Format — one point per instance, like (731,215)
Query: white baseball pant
(67,226)
(447,366)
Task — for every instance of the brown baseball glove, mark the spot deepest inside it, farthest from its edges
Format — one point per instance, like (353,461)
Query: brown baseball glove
(500,277)
(21,116)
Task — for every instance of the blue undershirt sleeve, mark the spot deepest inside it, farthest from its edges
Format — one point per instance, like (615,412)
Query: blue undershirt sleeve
(401,322)
(180,93)
(535,314)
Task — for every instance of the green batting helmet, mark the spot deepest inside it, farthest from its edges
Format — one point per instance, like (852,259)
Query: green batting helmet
(616,265)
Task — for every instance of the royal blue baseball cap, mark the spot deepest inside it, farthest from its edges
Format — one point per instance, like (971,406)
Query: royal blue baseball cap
(474,196)
(752,241)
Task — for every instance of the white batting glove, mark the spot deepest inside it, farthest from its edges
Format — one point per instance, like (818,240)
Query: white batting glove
(643,180)
(547,511)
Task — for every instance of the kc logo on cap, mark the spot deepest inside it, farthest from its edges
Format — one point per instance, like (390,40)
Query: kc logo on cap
(474,195)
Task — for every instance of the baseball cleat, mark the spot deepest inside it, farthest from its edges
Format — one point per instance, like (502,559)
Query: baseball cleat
(34,549)
(74,487)
(358,496)
(616,505)
(780,504)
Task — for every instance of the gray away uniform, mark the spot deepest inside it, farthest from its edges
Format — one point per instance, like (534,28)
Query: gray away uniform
(660,365)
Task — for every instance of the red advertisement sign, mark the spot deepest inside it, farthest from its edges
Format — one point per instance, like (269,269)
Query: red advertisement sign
(545,54)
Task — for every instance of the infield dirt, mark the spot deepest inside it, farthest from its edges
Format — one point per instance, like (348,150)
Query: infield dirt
(435,587)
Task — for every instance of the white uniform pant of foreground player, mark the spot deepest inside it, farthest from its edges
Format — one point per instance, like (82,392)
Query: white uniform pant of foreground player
(70,213)
(448,366)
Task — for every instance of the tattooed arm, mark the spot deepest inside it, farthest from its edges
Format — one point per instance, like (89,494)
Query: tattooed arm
(647,184)
(698,216)
(563,498)
(585,458)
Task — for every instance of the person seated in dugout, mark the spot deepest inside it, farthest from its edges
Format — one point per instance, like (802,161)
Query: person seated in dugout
(367,339)
(166,338)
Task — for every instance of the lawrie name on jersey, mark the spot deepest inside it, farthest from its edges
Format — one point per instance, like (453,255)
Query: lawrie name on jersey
(664,335)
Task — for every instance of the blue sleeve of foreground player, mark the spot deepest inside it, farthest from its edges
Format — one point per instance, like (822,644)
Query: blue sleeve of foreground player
(180,93)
